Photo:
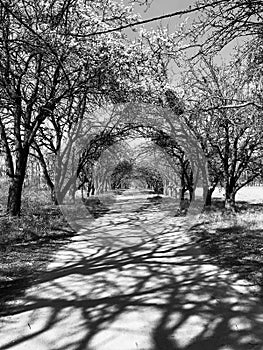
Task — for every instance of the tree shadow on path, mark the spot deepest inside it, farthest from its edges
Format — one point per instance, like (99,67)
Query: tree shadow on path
(159,292)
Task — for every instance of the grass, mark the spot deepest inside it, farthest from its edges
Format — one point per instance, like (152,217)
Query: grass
(28,243)
(234,241)
(39,220)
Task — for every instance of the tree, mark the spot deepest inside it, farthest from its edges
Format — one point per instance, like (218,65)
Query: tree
(121,176)
(223,113)
(36,73)
(49,60)
(103,169)
(221,21)
(176,153)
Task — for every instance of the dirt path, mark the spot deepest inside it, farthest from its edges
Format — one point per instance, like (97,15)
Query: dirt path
(134,280)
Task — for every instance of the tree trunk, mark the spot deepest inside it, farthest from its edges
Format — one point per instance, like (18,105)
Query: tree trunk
(229,197)
(16,184)
(182,187)
(230,203)
(51,186)
(182,199)
(14,197)
(208,189)
(191,193)
(47,177)
(54,196)
(92,190)
(208,199)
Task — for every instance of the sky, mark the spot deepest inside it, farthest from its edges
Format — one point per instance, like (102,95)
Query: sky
(161,7)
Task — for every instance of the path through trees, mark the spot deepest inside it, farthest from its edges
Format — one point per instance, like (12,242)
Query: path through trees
(135,279)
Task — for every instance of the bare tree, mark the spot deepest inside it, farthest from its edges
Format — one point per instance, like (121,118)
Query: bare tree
(223,113)
(44,68)
(220,22)
(36,73)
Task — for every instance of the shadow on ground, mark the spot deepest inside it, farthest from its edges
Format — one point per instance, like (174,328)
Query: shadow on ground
(237,248)
(22,263)
(160,293)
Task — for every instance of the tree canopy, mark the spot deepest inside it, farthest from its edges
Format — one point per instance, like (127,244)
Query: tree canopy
(62,63)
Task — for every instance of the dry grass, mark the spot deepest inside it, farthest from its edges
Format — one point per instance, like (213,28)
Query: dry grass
(234,241)
(249,208)
(28,243)
(247,219)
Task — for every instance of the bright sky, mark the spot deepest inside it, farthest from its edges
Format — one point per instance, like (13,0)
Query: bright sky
(161,7)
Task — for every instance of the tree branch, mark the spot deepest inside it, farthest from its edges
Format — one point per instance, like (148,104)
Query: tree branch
(149,20)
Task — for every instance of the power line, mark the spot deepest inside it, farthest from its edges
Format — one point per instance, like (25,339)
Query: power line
(149,20)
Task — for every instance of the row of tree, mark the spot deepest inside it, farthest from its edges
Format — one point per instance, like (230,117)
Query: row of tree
(61,62)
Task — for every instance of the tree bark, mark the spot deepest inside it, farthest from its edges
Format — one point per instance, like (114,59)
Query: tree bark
(182,199)
(230,195)
(210,190)
(208,199)
(14,197)
(230,203)
(47,177)
(191,193)
(53,196)
(17,182)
